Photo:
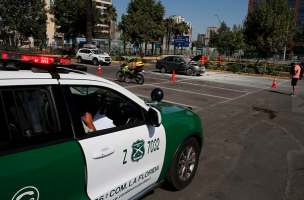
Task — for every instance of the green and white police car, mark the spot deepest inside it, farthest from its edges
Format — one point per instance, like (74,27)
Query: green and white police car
(48,151)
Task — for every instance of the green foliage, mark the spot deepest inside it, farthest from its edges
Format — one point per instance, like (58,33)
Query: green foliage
(110,18)
(117,58)
(269,28)
(22,19)
(235,68)
(70,17)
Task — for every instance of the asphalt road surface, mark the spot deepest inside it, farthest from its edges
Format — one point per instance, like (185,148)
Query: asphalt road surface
(254,134)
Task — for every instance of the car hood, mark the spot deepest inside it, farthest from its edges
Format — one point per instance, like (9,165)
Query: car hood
(197,58)
(172,109)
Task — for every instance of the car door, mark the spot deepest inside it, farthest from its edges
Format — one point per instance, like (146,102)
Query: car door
(179,64)
(38,153)
(169,62)
(124,155)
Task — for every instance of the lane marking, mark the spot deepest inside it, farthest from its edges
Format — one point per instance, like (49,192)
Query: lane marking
(245,94)
(169,101)
(192,92)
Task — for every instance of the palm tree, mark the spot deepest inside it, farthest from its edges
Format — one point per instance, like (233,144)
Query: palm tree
(109,17)
(169,24)
(89,22)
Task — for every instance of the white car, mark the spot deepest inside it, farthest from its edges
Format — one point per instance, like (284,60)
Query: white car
(94,55)
(67,134)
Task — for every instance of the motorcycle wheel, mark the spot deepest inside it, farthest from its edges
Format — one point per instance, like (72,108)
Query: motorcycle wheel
(121,77)
(139,79)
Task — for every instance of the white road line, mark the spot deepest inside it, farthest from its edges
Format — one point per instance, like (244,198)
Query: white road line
(216,87)
(168,101)
(192,92)
(245,94)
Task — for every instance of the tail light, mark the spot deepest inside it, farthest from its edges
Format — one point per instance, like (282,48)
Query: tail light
(4,56)
(65,61)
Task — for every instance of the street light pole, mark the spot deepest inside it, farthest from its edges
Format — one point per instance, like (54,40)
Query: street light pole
(219,21)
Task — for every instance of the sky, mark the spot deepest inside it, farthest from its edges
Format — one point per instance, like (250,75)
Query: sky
(200,13)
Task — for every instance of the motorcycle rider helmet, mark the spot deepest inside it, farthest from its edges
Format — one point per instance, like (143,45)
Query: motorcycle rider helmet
(129,59)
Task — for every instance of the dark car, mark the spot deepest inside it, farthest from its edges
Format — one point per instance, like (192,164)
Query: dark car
(181,64)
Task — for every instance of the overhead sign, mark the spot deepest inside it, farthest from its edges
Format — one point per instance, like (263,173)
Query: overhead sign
(199,48)
(181,41)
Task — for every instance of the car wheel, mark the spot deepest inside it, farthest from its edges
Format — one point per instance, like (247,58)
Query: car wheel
(184,165)
(120,76)
(163,70)
(79,59)
(139,79)
(189,72)
(95,61)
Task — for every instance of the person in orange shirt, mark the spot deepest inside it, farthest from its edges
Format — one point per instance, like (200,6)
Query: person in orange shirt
(295,77)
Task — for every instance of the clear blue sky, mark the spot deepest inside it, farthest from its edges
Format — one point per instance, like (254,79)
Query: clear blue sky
(201,13)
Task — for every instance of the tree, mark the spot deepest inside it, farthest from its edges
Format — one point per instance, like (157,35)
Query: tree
(170,26)
(197,43)
(221,39)
(269,28)
(69,17)
(142,21)
(23,19)
(236,41)
(110,17)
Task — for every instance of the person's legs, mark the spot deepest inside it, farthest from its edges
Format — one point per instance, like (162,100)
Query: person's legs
(294,89)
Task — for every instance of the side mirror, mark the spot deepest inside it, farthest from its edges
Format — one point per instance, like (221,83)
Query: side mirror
(182,62)
(157,95)
(153,117)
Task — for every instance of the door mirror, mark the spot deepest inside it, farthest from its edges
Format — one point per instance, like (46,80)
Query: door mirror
(153,117)
(182,62)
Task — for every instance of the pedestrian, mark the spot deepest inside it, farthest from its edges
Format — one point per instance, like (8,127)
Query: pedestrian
(295,71)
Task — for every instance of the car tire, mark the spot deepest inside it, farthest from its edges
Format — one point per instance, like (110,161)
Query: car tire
(139,79)
(189,72)
(184,165)
(163,70)
(121,77)
(79,59)
(95,61)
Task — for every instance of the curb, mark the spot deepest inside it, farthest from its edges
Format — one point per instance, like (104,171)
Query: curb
(269,76)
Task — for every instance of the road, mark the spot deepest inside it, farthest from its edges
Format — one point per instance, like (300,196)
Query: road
(254,144)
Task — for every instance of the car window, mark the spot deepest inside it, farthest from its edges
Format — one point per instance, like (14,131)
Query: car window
(186,59)
(83,51)
(108,109)
(170,59)
(27,114)
(89,51)
(97,51)
(177,59)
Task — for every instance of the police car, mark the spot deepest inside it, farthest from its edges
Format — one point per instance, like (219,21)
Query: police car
(93,54)
(49,151)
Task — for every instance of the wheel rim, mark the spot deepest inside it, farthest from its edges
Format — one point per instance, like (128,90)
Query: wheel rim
(139,79)
(79,60)
(189,72)
(120,76)
(186,163)
(95,62)
(163,70)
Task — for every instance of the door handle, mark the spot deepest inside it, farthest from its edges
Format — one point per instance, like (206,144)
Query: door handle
(103,153)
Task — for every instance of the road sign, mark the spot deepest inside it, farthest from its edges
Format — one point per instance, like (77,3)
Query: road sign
(199,48)
(134,48)
(181,41)
(158,45)
(162,46)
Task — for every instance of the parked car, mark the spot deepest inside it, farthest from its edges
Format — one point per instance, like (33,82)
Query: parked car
(181,64)
(93,54)
(50,147)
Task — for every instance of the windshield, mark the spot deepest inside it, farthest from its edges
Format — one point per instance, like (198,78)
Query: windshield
(186,59)
(97,51)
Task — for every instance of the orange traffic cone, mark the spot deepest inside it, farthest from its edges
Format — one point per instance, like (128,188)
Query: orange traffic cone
(173,76)
(99,70)
(274,85)
(133,64)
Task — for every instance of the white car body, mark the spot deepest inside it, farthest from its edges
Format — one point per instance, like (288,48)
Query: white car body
(96,56)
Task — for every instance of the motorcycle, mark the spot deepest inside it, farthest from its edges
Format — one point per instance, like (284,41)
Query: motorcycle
(132,71)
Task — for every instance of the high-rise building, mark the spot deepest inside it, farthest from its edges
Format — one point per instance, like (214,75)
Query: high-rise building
(298,5)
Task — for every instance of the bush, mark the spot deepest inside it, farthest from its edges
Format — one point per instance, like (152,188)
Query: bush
(235,68)
(144,60)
